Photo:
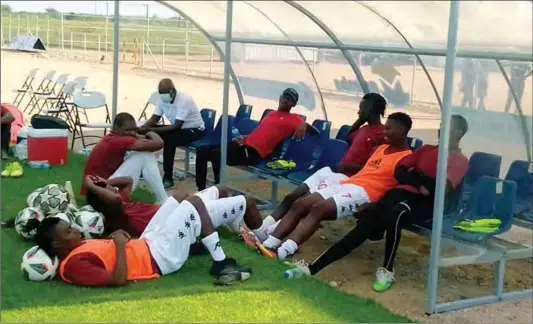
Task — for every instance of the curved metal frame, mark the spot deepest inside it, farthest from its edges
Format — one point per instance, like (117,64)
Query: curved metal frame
(336,40)
(213,42)
(408,44)
(299,53)
(521,117)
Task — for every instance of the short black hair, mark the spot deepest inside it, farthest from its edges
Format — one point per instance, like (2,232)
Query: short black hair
(460,123)
(95,202)
(45,235)
(379,104)
(402,118)
(121,119)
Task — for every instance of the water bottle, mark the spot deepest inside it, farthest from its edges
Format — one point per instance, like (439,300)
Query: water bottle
(293,273)
(39,164)
(235,134)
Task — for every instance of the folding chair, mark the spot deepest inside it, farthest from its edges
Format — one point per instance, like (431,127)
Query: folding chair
(244,111)
(331,155)
(414,143)
(61,107)
(342,134)
(27,86)
(55,92)
(87,100)
(44,86)
(152,100)
(521,172)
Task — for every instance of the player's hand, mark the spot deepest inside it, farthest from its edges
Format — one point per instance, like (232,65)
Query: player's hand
(120,236)
(239,141)
(299,134)
(99,181)
(424,191)
(143,130)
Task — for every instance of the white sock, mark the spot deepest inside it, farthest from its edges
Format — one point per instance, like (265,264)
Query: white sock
(235,225)
(272,227)
(212,243)
(261,232)
(286,249)
(271,242)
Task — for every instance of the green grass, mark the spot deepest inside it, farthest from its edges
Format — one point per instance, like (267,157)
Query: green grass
(186,296)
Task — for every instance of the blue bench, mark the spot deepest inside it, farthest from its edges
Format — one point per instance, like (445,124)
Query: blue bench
(414,143)
(520,172)
(244,112)
(342,134)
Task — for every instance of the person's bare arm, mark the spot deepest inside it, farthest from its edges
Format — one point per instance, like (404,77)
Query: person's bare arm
(305,128)
(7,118)
(109,197)
(152,143)
(151,122)
(119,277)
(166,129)
(122,183)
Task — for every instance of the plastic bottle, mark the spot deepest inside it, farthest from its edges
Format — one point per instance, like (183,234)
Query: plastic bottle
(235,134)
(39,164)
(293,273)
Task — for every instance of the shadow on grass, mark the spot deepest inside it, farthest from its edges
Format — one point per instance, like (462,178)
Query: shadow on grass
(192,279)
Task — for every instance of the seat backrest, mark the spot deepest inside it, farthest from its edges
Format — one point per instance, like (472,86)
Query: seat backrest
(50,76)
(62,79)
(208,115)
(214,136)
(154,98)
(70,88)
(89,99)
(266,112)
(244,111)
(33,73)
(324,127)
(331,154)
(342,134)
(414,143)
(482,164)
(81,83)
(301,152)
(493,198)
(521,172)
(246,126)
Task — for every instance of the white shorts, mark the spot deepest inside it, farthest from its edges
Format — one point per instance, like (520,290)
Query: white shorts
(347,197)
(223,211)
(324,178)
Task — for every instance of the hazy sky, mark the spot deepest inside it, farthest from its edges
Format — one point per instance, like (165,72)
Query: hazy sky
(137,8)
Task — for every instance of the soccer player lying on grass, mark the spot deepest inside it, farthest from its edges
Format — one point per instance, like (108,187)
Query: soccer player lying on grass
(411,202)
(363,138)
(163,247)
(334,196)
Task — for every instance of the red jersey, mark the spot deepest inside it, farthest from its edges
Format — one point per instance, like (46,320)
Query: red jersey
(107,156)
(272,130)
(425,159)
(138,214)
(364,140)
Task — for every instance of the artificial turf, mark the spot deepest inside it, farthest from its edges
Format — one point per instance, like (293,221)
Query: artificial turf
(186,296)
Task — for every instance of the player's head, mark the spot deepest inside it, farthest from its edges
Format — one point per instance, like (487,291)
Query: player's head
(458,129)
(56,237)
(372,106)
(396,128)
(167,90)
(100,205)
(288,99)
(124,124)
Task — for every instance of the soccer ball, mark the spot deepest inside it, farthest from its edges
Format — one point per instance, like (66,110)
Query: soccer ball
(89,223)
(63,216)
(31,197)
(38,266)
(87,208)
(22,219)
(52,199)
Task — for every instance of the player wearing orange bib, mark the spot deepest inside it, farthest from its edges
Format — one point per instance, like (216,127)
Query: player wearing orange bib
(334,195)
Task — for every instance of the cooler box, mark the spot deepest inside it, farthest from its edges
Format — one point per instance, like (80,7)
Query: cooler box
(48,145)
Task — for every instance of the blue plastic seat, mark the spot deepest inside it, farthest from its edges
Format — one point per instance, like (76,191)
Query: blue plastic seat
(266,112)
(480,164)
(414,143)
(331,155)
(301,152)
(246,126)
(520,173)
(324,127)
(213,138)
(491,198)
(244,112)
(343,132)
(208,115)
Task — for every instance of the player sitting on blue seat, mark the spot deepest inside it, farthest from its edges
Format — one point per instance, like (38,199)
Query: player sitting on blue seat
(163,247)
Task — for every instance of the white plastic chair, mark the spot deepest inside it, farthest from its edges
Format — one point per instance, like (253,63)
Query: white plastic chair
(152,100)
(62,106)
(55,92)
(44,86)
(87,100)
(27,85)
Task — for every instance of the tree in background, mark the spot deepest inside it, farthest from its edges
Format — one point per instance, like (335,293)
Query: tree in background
(53,13)
(5,9)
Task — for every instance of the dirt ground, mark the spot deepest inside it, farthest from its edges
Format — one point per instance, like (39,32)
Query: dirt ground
(355,273)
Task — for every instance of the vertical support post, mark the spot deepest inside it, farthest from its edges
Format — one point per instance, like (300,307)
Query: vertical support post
(116,41)
(10,20)
(62,34)
(71,42)
(99,49)
(163,56)
(85,44)
(147,27)
(18,26)
(105,25)
(499,278)
(48,31)
(187,46)
(413,81)
(211,61)
(225,94)
(442,164)
(27,24)
(37,26)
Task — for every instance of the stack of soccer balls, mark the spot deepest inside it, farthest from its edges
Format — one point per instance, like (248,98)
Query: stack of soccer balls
(52,201)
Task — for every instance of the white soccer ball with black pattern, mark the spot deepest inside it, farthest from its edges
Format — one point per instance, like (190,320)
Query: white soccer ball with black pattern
(90,224)
(52,199)
(87,208)
(38,266)
(31,197)
(22,219)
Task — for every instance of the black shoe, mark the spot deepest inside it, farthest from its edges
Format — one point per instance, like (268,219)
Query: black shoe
(168,184)
(228,272)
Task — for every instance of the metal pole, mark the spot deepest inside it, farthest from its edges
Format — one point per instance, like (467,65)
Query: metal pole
(163,55)
(99,50)
(106,15)
(116,41)
(37,26)
(10,19)
(187,45)
(147,27)
(225,94)
(47,31)
(71,42)
(85,44)
(413,80)
(27,24)
(18,26)
(211,61)
(62,34)
(442,164)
